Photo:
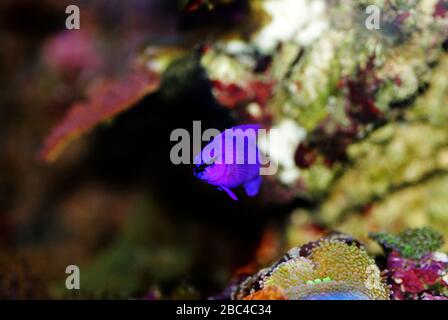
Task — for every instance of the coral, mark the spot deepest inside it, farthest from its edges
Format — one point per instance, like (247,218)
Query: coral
(411,243)
(396,177)
(105,101)
(334,267)
(72,53)
(415,268)
(337,267)
(412,278)
(441,9)
(428,296)
(268,293)
(361,90)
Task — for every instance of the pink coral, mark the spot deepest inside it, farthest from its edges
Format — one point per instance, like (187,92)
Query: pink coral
(413,277)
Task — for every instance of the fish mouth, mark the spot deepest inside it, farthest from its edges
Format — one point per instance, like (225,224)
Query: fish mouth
(199,172)
(200,168)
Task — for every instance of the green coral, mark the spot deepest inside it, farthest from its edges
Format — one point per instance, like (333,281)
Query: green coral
(317,281)
(411,243)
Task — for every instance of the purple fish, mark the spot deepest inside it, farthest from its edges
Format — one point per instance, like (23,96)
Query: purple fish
(231,160)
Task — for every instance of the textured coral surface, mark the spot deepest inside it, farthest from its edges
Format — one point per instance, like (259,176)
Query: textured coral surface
(328,269)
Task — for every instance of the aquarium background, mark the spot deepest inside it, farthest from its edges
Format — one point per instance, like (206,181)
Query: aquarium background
(86,118)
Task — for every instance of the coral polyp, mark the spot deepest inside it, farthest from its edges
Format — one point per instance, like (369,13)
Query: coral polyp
(333,268)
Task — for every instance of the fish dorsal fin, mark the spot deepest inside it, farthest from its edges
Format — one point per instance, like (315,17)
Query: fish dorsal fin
(229,192)
(253,187)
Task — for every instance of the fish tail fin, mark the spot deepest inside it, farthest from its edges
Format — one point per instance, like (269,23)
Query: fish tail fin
(253,187)
(229,192)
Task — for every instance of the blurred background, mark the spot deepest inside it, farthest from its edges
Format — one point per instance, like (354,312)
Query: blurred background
(113,204)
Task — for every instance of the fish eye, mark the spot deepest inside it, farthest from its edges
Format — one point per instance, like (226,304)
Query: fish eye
(211,163)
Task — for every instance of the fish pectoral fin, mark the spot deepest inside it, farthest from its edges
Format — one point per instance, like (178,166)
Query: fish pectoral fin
(229,192)
(253,187)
